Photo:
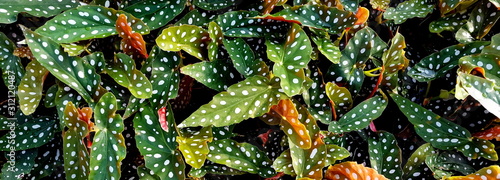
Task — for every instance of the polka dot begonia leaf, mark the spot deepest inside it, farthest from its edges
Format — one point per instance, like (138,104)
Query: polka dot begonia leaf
(481,20)
(76,157)
(283,163)
(132,42)
(290,124)
(63,96)
(213,5)
(159,147)
(213,168)
(216,37)
(12,71)
(242,24)
(244,59)
(444,134)
(360,116)
(486,91)
(87,22)
(326,46)
(247,99)
(25,160)
(335,153)
(185,37)
(394,60)
(385,155)
(339,98)
(490,172)
(380,5)
(96,60)
(445,164)
(123,71)
(439,63)
(164,76)
(451,22)
(9,9)
(73,49)
(415,165)
(217,75)
(156,14)
(290,58)
(352,170)
(445,6)
(268,5)
(145,173)
(194,146)
(108,149)
(350,5)
(489,134)
(74,72)
(195,17)
(494,47)
(240,156)
(330,19)
(183,98)
(31,87)
(409,9)
(316,98)
(50,97)
(30,134)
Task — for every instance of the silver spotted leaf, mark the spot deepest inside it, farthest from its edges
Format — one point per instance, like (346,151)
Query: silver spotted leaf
(195,17)
(76,156)
(481,20)
(451,22)
(31,87)
(11,8)
(394,61)
(283,163)
(247,99)
(73,49)
(385,155)
(10,64)
(24,162)
(409,9)
(164,76)
(316,98)
(447,163)
(340,99)
(108,148)
(415,165)
(326,46)
(335,153)
(156,14)
(87,22)
(494,47)
(185,37)
(360,116)
(240,156)
(213,5)
(244,59)
(217,75)
(443,134)
(27,132)
(241,24)
(194,146)
(145,173)
(214,168)
(124,72)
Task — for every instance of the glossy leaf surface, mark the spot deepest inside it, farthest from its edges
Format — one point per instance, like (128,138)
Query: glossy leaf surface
(360,116)
(385,155)
(11,8)
(351,170)
(185,37)
(74,148)
(31,87)
(124,72)
(132,42)
(156,14)
(409,9)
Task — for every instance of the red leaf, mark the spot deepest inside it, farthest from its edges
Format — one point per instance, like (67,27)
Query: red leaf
(362,15)
(352,170)
(279,18)
(162,114)
(489,134)
(132,43)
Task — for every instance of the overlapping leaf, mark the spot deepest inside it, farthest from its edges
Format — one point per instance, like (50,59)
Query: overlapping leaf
(124,72)
(214,74)
(194,146)
(351,170)
(442,133)
(185,37)
(108,149)
(480,22)
(164,76)
(489,134)
(380,5)
(213,168)
(385,155)
(244,59)
(213,5)
(31,87)
(290,57)
(195,17)
(24,161)
(409,9)
(241,24)
(452,22)
(87,22)
(490,172)
(316,98)
(394,61)
(360,116)
(291,125)
(247,99)
(156,14)
(415,165)
(11,8)
(340,98)
(11,66)
(132,42)
(326,46)
(26,133)
(446,164)
(76,157)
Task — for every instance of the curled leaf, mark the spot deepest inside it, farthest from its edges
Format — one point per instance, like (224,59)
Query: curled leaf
(132,42)
(351,170)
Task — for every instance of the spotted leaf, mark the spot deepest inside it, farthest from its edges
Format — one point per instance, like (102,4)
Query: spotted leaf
(31,87)
(24,161)
(240,156)
(217,169)
(11,8)
(213,5)
(74,72)
(290,58)
(489,134)
(385,155)
(185,37)
(380,5)
(326,46)
(494,47)
(241,24)
(145,173)
(442,133)
(216,37)
(63,96)
(215,74)
(164,76)
(352,170)
(247,99)
(87,22)
(10,64)
(445,6)
(446,164)
(415,165)
(283,163)
(96,60)
(360,116)
(316,99)
(195,17)
(480,22)
(244,59)
(490,172)
(73,49)
(76,157)
(156,14)
(439,63)
(451,22)
(132,42)
(28,132)
(194,147)
(268,5)
(394,61)
(335,153)
(123,71)
(108,140)
(290,124)
(330,19)
(340,98)
(158,147)
(409,9)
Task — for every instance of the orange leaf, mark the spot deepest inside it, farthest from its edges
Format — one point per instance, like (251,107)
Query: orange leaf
(24,52)
(132,43)
(362,15)
(352,170)
(489,134)
(85,114)
(290,123)
(486,173)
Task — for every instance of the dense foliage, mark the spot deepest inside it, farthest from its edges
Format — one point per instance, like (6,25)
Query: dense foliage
(215,89)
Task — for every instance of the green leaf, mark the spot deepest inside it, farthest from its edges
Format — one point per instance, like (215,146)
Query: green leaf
(335,153)
(73,49)
(247,99)
(157,145)
(480,22)
(213,168)
(31,133)
(316,98)
(76,157)
(12,69)
(439,63)
(241,24)
(360,116)
(445,6)
(108,140)
(494,47)
(50,96)
(490,172)
(194,17)
(442,133)
(385,155)
(330,19)
(340,98)
(290,58)
(194,147)
(124,72)
(394,61)
(11,8)
(96,60)
(185,37)
(31,87)
(409,9)
(447,163)
(146,174)
(486,91)
(350,5)
(87,22)
(284,163)
(74,72)
(24,162)
(216,36)
(164,76)
(380,5)
(244,59)
(326,46)
(451,22)
(216,75)
(213,5)
(240,156)
(156,14)
(416,163)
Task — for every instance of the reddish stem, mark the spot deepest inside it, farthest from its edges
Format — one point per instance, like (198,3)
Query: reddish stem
(380,78)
